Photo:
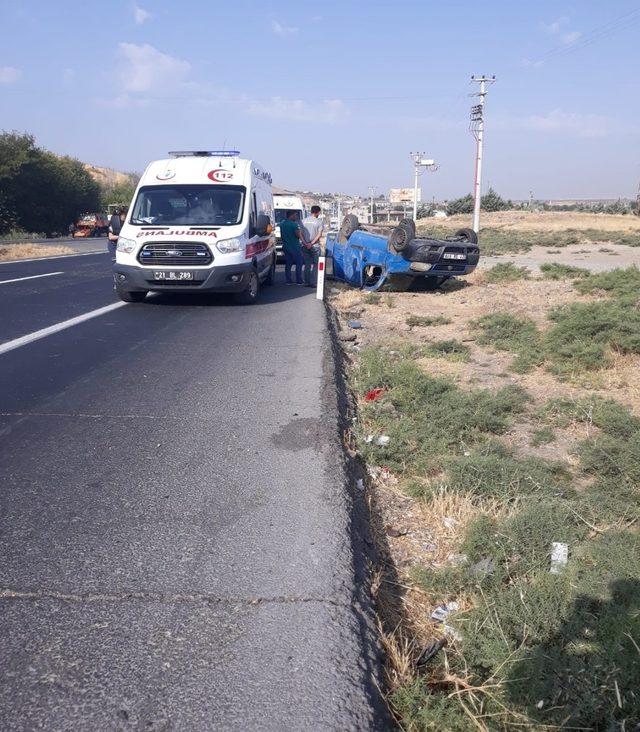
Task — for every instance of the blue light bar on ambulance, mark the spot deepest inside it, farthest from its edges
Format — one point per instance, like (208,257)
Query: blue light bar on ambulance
(204,153)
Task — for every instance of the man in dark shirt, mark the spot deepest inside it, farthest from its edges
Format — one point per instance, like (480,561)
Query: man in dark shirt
(291,246)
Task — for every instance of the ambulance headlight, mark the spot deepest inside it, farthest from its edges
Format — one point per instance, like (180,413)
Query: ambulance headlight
(125,245)
(227,246)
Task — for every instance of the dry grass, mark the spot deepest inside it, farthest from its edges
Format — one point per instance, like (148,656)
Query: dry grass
(10,252)
(547,221)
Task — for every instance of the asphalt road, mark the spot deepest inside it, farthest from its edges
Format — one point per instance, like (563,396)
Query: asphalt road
(176,546)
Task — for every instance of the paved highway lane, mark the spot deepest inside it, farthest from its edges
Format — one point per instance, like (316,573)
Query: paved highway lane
(176,546)
(32,297)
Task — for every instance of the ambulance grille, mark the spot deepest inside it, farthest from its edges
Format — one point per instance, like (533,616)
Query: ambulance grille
(172,254)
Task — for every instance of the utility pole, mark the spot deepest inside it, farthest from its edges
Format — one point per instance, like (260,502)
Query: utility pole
(530,200)
(477,130)
(372,190)
(419,161)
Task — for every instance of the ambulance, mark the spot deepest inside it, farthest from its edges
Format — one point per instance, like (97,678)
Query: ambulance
(282,204)
(200,221)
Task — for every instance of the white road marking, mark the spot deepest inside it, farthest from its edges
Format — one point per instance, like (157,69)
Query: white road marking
(36,335)
(31,277)
(54,256)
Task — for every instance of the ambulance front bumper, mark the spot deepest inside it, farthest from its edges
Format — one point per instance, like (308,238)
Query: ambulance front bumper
(225,278)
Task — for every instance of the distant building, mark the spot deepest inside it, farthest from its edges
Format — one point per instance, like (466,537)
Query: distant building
(403,195)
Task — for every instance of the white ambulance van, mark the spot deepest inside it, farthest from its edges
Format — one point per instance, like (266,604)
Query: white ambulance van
(282,204)
(200,221)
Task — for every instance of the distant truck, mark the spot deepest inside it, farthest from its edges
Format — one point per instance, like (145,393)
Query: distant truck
(371,257)
(282,204)
(91,224)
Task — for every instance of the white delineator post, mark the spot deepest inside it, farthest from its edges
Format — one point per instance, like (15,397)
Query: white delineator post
(477,129)
(320,274)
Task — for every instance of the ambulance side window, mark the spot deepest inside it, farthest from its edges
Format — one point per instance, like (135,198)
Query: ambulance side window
(253,219)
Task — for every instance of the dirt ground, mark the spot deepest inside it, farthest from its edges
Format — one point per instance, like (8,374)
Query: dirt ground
(595,257)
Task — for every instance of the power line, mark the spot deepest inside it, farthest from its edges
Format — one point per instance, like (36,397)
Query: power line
(596,34)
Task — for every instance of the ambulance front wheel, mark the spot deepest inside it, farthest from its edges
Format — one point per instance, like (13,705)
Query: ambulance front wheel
(249,295)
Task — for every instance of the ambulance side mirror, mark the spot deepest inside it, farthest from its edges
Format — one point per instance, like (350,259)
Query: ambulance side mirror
(263,225)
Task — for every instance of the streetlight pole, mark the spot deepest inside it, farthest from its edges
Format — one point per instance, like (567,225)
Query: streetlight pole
(372,190)
(419,161)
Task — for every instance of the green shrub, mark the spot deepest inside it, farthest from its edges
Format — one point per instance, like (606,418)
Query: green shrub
(506,272)
(432,416)
(426,320)
(451,349)
(582,332)
(620,283)
(507,332)
(493,470)
(421,709)
(556,271)
(608,415)
(542,436)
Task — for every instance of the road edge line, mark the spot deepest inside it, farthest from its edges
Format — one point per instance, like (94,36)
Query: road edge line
(51,329)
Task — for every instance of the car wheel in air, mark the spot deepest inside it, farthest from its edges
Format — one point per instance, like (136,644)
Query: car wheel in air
(399,238)
(468,235)
(350,224)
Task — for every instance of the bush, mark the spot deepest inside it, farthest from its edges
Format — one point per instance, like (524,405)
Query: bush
(582,333)
(556,271)
(492,470)
(620,283)
(506,272)
(509,333)
(426,320)
(451,349)
(432,416)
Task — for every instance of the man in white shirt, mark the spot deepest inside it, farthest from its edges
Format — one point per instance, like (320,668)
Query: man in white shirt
(313,228)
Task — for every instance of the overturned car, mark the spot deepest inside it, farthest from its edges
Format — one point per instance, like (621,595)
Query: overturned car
(374,256)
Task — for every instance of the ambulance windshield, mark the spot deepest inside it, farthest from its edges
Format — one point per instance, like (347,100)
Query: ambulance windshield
(188,205)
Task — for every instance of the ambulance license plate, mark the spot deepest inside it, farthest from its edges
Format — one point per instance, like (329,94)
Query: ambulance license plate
(451,255)
(172,275)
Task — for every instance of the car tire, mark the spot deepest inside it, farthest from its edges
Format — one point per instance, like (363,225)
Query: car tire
(399,238)
(131,295)
(270,278)
(350,224)
(410,225)
(249,295)
(468,235)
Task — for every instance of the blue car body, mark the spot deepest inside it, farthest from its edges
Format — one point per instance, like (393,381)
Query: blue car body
(367,260)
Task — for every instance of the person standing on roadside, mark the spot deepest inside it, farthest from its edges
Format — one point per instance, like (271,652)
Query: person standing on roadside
(292,239)
(313,229)
(115,224)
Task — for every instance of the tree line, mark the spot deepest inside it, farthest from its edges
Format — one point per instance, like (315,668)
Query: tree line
(43,193)
(492,201)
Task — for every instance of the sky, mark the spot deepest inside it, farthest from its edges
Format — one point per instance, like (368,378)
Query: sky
(334,95)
